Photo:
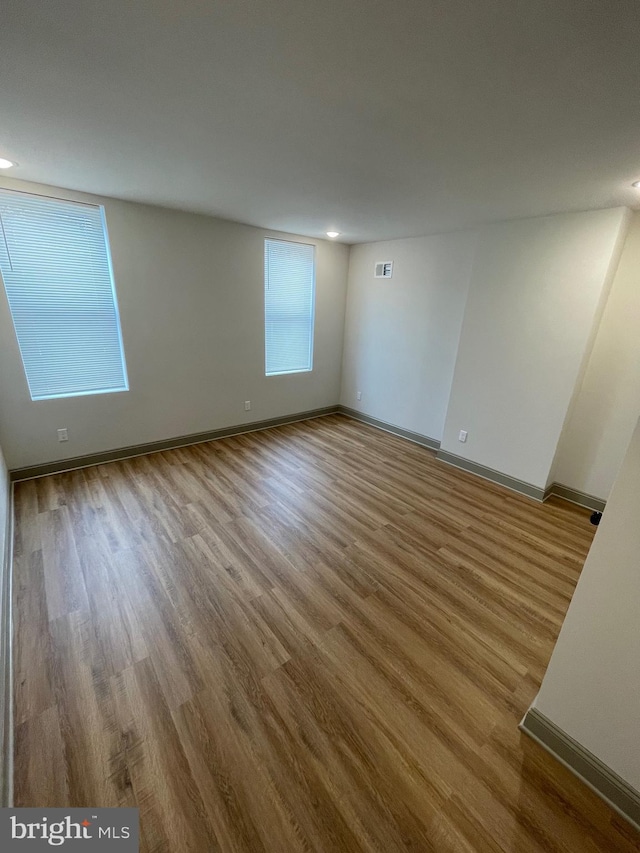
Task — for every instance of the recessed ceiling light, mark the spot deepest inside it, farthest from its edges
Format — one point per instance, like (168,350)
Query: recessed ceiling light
(337,233)
(636,184)
(6,164)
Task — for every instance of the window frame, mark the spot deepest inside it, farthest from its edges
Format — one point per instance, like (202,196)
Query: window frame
(116,308)
(312,317)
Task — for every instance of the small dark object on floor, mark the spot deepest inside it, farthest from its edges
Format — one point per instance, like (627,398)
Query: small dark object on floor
(595,518)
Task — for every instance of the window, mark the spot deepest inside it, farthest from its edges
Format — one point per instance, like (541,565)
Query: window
(289,289)
(56,268)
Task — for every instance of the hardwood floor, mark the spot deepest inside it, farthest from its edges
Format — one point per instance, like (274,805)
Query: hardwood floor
(315,638)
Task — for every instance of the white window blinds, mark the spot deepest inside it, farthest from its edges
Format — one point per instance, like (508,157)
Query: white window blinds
(289,304)
(56,270)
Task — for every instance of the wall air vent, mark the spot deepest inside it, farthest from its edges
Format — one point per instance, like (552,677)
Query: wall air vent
(384,269)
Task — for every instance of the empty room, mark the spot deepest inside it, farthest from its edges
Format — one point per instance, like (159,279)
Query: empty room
(319,426)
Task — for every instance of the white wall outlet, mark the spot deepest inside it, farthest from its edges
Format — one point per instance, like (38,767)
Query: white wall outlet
(247,405)
(462,435)
(359,395)
(63,435)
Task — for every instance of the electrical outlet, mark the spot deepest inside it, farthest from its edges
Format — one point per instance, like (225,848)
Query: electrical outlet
(63,435)
(359,395)
(462,435)
(247,405)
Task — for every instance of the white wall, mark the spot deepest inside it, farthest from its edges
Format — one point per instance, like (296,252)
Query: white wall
(5,625)
(607,407)
(591,688)
(4,511)
(4,524)
(190,290)
(536,289)
(401,335)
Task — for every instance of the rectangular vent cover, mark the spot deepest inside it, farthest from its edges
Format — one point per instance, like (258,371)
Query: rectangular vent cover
(384,269)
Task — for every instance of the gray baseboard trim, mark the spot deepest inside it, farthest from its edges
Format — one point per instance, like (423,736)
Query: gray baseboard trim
(604,782)
(512,483)
(524,488)
(6,669)
(575,497)
(416,437)
(32,471)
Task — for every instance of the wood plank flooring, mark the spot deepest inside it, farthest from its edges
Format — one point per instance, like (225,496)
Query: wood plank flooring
(314,638)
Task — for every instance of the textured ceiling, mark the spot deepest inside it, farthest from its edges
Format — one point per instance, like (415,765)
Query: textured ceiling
(381,118)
